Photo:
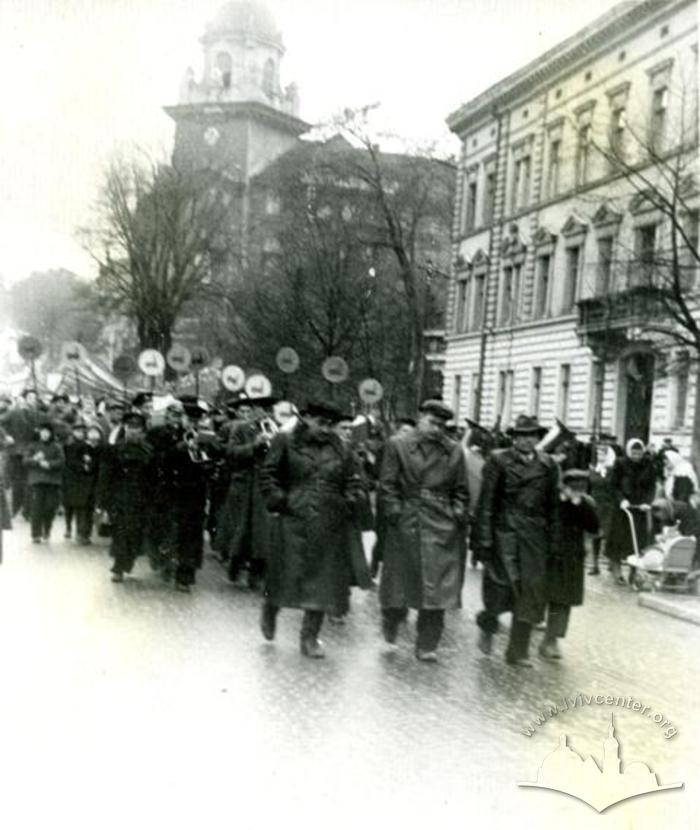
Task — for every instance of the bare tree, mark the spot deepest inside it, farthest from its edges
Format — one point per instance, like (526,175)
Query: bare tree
(656,163)
(160,237)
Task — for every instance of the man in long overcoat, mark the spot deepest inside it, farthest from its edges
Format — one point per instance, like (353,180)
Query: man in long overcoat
(516,520)
(245,526)
(310,480)
(124,486)
(425,495)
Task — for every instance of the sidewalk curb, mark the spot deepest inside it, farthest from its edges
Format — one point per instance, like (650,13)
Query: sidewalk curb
(671,609)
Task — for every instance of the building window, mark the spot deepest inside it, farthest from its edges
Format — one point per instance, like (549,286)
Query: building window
(505,395)
(272,204)
(642,265)
(583,152)
(224,66)
(536,392)
(690,255)
(573,265)
(564,392)
(462,305)
(521,183)
(680,396)
(542,274)
(510,294)
(604,266)
(657,126)
(553,170)
(489,196)
(268,78)
(477,311)
(470,208)
(618,120)
(474,397)
(457,395)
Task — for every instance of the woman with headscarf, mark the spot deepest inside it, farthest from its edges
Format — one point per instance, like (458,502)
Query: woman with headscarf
(680,479)
(633,485)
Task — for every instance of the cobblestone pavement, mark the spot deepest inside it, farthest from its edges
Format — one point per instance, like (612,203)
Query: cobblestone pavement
(135,706)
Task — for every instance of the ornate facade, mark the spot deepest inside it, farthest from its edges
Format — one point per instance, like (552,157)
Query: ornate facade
(548,311)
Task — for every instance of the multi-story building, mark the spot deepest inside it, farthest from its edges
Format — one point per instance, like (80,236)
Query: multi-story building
(552,236)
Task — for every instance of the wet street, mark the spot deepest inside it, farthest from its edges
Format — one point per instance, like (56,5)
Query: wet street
(135,706)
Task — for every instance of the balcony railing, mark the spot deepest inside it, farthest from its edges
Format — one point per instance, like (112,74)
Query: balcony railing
(625,309)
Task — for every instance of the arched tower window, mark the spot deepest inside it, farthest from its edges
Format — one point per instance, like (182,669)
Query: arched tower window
(268,78)
(224,64)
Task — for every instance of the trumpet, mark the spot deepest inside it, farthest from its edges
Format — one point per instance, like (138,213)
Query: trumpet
(268,428)
(196,452)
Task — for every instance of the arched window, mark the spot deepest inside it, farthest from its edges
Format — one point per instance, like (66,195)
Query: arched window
(268,78)
(224,65)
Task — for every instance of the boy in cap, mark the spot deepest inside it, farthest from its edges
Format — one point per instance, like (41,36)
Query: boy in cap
(576,516)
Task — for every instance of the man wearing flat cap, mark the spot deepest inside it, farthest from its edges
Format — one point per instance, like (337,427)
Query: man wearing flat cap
(425,499)
(309,479)
(516,521)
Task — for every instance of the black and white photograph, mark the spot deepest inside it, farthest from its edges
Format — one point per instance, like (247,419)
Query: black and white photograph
(349,414)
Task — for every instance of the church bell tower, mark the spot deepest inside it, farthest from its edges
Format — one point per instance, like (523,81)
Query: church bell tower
(236,117)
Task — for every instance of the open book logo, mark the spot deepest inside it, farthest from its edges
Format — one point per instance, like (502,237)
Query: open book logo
(567,772)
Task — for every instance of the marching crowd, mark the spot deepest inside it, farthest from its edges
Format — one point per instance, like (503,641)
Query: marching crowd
(285,505)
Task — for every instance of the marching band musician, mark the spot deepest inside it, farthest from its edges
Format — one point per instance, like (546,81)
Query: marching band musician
(189,465)
(162,514)
(310,480)
(124,486)
(243,535)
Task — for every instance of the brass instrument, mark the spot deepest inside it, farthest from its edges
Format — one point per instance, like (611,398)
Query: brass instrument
(197,453)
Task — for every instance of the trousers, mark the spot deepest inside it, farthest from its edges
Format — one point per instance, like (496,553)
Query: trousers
(44,503)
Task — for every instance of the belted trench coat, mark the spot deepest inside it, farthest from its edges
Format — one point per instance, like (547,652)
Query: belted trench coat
(311,485)
(425,497)
(517,519)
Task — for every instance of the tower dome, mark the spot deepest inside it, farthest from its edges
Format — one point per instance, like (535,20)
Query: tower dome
(243,18)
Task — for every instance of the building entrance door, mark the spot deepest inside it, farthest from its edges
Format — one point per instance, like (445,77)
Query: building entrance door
(638,371)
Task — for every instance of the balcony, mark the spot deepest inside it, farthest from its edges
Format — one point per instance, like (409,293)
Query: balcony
(613,320)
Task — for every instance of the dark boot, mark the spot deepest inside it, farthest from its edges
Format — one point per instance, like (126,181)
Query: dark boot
(391,620)
(310,629)
(519,644)
(268,620)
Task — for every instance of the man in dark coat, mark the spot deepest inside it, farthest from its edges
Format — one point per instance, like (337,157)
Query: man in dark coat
(20,422)
(577,515)
(79,483)
(159,538)
(124,487)
(245,526)
(310,480)
(516,519)
(189,465)
(425,494)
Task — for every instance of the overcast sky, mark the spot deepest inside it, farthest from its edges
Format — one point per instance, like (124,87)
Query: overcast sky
(82,79)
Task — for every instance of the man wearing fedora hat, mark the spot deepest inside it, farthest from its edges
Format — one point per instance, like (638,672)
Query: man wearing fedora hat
(516,520)
(425,500)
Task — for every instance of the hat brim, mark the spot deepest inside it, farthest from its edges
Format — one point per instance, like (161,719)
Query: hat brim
(540,432)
